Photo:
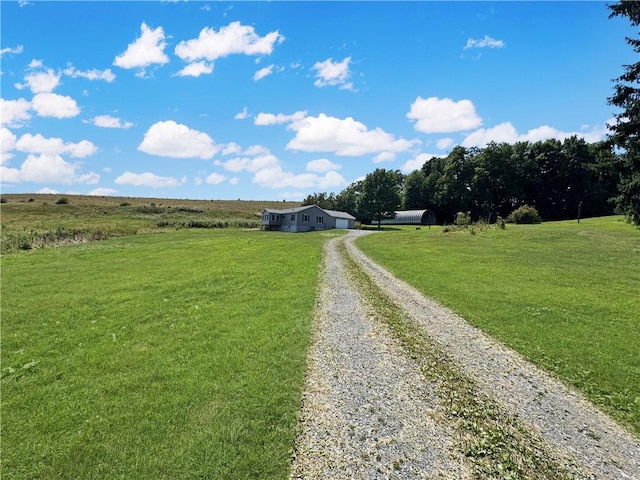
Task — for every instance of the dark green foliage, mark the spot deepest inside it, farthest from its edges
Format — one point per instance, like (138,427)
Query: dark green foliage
(62,201)
(380,196)
(524,215)
(3,200)
(125,204)
(151,209)
(322,200)
(626,131)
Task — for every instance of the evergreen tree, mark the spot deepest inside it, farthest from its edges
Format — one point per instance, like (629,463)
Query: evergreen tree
(626,132)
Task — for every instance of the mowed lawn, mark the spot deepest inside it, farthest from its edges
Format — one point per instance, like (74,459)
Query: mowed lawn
(167,356)
(565,295)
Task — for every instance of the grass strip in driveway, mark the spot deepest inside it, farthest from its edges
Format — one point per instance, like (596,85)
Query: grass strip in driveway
(180,355)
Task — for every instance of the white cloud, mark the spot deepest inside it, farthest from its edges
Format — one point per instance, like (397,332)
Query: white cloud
(232,39)
(506,132)
(322,165)
(242,115)
(330,73)
(33,64)
(15,113)
(11,51)
(107,121)
(277,178)
(384,157)
(40,82)
(346,137)
(148,179)
(417,162)
(94,74)
(7,144)
(9,175)
(103,192)
(48,169)
(234,181)
(171,139)
(239,164)
(146,50)
(435,115)
(271,119)
(444,143)
(196,69)
(48,190)
(54,105)
(254,150)
(486,42)
(231,149)
(54,146)
(215,178)
(263,72)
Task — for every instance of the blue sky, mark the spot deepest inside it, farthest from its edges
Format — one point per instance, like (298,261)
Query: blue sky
(276,100)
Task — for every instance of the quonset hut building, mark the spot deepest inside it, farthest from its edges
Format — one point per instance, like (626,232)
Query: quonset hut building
(411,217)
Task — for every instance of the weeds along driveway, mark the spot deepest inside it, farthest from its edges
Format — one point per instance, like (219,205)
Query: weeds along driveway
(399,387)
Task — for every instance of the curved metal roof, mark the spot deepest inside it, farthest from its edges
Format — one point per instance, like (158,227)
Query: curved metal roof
(411,217)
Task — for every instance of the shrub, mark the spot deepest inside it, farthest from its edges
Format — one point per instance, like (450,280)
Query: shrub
(62,201)
(3,200)
(463,219)
(524,214)
(125,204)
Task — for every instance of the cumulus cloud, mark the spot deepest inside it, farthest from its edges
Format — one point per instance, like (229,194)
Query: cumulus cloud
(263,72)
(215,179)
(271,119)
(235,38)
(7,144)
(47,169)
(196,69)
(506,132)
(330,73)
(148,179)
(486,42)
(11,50)
(248,164)
(94,74)
(416,163)
(103,192)
(40,82)
(171,139)
(15,113)
(322,165)
(54,105)
(54,146)
(277,178)
(436,115)
(242,115)
(345,137)
(107,121)
(444,143)
(146,50)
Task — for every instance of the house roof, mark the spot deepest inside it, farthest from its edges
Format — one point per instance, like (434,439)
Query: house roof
(331,213)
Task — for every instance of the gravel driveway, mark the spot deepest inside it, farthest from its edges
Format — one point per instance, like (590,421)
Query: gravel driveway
(369,413)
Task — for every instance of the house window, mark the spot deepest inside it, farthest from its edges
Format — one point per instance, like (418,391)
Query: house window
(293,217)
(273,217)
(319,219)
(305,217)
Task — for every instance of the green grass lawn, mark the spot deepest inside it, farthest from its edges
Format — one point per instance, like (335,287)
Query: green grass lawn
(179,355)
(565,295)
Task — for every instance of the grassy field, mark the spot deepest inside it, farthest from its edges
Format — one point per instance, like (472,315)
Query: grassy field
(565,295)
(33,220)
(168,356)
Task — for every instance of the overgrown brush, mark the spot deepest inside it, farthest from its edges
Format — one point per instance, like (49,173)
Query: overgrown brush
(27,240)
(204,223)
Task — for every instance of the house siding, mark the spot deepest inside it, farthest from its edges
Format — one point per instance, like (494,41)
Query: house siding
(303,219)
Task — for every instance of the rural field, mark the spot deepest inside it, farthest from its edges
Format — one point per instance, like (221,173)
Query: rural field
(172,350)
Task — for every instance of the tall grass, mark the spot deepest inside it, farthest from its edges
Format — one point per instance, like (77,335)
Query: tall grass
(156,356)
(565,295)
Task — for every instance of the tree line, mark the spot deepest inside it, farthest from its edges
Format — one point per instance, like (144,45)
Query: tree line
(560,179)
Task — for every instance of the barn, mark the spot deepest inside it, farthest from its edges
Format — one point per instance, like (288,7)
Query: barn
(411,217)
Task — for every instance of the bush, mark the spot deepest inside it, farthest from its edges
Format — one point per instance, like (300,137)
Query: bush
(463,219)
(62,201)
(524,215)
(3,200)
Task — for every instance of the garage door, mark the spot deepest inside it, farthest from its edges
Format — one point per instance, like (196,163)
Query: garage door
(342,223)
